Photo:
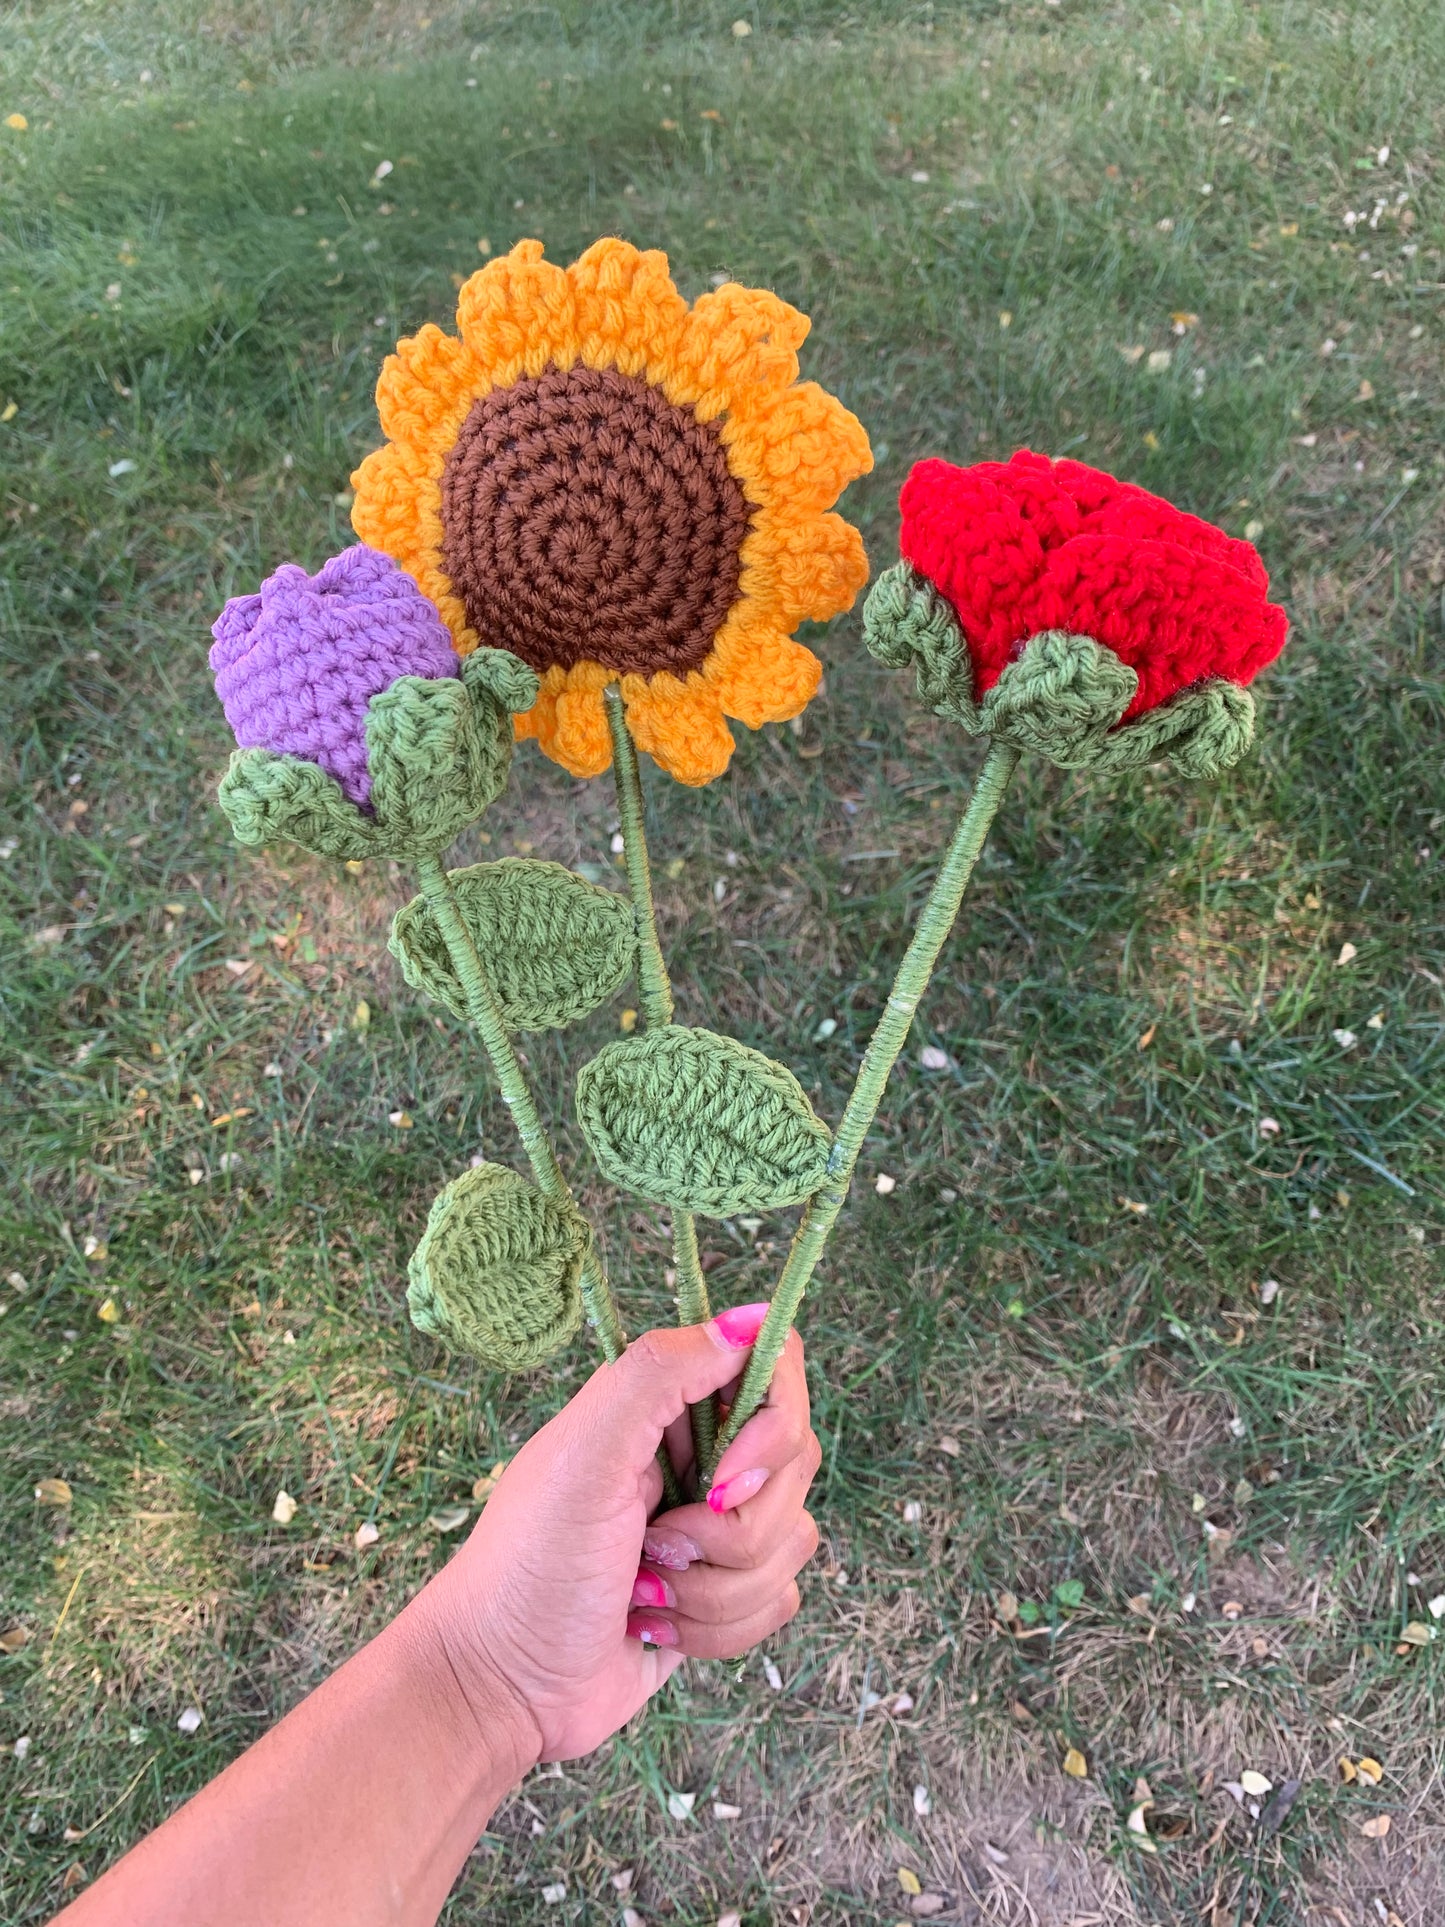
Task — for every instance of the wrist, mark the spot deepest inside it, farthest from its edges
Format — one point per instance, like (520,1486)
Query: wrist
(484,1717)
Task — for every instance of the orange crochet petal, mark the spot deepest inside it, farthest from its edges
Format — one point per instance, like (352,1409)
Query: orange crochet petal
(801,452)
(760,675)
(804,568)
(396,509)
(517,314)
(629,315)
(680,725)
(741,349)
(540,721)
(579,738)
(425,389)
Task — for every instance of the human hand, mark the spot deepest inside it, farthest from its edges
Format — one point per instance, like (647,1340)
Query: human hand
(566,1610)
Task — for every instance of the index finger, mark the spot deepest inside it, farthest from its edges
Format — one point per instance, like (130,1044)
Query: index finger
(776,1431)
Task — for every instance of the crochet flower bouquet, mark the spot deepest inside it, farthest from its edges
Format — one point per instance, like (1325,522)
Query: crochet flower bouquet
(598,518)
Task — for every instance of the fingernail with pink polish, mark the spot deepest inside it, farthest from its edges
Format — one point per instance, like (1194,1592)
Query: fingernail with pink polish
(674,1550)
(652,1632)
(731,1492)
(649,1590)
(740,1325)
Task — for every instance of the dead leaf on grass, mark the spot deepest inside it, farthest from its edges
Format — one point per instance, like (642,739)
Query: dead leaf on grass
(1075,1765)
(13,1638)
(53,1492)
(1376,1827)
(1369,1771)
(483,1486)
(908,1880)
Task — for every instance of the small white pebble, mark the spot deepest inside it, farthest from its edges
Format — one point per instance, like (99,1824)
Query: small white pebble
(1348,954)
(618,843)
(1269,1291)
(912,1513)
(1188,1603)
(825,1030)
(933,1059)
(22,1746)
(719,890)
(883,1184)
(920,175)
(555,1893)
(1238,1428)
(922,1804)
(366,1534)
(948,1196)
(1269,1127)
(772,1675)
(723,1810)
(1437,1606)
(1346,1039)
(190,1720)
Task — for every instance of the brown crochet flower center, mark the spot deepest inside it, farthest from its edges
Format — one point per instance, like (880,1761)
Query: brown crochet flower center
(584,515)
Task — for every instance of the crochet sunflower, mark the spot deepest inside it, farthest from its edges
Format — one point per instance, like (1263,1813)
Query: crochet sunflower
(618,488)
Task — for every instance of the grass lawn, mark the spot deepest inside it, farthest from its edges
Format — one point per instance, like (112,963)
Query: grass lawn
(1132,1391)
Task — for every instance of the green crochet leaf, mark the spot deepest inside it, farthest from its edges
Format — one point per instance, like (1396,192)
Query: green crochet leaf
(503,676)
(281,799)
(1062,697)
(1202,731)
(554,946)
(439,749)
(699,1122)
(497,1271)
(907,624)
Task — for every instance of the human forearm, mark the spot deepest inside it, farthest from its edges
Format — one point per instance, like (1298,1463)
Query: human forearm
(359,1808)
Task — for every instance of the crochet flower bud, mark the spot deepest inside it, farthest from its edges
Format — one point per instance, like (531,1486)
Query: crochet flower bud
(1069,612)
(359,731)
(297,665)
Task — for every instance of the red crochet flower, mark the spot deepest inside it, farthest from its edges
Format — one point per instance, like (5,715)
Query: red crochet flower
(1031,544)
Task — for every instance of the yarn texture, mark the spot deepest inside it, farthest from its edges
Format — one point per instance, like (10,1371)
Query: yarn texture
(438,750)
(497,1273)
(701,1123)
(1062,696)
(555,945)
(617,487)
(297,664)
(1028,545)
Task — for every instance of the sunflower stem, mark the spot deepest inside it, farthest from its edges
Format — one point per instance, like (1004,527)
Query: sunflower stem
(887,1041)
(486,1014)
(656,998)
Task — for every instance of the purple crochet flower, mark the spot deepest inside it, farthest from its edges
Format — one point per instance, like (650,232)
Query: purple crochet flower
(297,664)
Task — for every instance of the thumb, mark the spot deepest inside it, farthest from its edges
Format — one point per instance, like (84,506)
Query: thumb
(628,1405)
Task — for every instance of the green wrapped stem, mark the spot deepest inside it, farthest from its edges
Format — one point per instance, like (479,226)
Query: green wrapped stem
(656,997)
(878,1060)
(486,1015)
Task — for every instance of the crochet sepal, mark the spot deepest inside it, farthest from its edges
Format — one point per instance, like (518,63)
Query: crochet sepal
(554,945)
(1062,696)
(281,799)
(438,750)
(701,1123)
(497,1273)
